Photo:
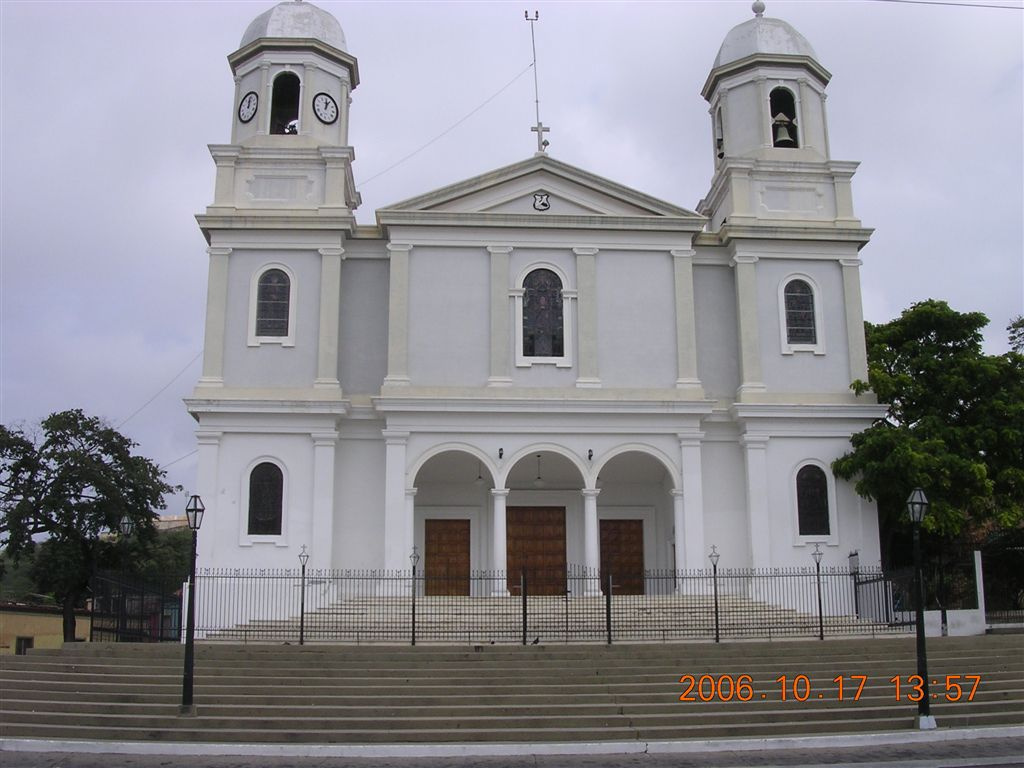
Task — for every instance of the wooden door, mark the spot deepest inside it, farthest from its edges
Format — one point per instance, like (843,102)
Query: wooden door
(622,553)
(446,560)
(536,543)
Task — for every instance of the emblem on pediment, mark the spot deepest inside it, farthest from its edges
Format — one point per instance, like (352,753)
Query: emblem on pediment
(541,201)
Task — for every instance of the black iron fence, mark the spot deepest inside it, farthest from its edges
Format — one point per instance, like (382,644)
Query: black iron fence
(568,606)
(132,612)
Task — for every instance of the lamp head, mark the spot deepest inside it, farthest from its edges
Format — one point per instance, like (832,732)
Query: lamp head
(126,525)
(817,553)
(917,505)
(414,558)
(714,555)
(194,512)
(303,556)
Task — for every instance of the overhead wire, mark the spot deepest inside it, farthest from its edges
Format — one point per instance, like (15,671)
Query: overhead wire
(452,127)
(956,5)
(159,391)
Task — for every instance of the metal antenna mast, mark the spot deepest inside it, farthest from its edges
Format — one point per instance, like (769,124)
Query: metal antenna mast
(540,129)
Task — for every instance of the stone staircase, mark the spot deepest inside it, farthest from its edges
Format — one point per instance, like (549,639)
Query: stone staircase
(487,620)
(487,694)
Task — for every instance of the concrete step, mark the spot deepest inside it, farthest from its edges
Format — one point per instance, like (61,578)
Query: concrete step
(339,694)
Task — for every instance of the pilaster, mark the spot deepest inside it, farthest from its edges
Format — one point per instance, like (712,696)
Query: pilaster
(854,320)
(500,374)
(747,324)
(216,317)
(397,543)
(586,286)
(398,316)
(758,515)
(690,452)
(330,302)
(322,525)
(686,323)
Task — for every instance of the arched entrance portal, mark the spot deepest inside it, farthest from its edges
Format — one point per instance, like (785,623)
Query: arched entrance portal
(544,488)
(450,520)
(635,526)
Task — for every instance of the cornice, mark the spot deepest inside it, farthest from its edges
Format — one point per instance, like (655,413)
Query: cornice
(209,405)
(257,219)
(537,405)
(756,60)
(295,44)
(391,217)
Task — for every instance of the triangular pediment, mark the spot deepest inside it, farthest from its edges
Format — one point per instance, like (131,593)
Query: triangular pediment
(540,186)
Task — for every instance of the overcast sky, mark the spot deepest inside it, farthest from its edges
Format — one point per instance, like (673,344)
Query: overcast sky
(107,108)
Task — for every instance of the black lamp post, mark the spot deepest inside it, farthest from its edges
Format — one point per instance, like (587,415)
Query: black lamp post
(713,557)
(303,559)
(194,512)
(854,573)
(414,558)
(816,554)
(917,508)
(127,527)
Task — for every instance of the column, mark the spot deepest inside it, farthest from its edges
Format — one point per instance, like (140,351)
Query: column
(586,288)
(330,303)
(854,320)
(693,500)
(225,159)
(216,317)
(591,540)
(500,357)
(398,316)
(756,457)
(746,311)
(397,546)
(266,97)
(686,323)
(499,542)
(321,540)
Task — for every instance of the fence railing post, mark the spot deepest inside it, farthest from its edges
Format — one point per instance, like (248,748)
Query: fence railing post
(608,609)
(522,593)
(414,605)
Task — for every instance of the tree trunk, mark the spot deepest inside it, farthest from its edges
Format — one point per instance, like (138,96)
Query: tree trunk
(69,618)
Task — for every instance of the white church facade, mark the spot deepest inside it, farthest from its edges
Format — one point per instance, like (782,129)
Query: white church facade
(535,368)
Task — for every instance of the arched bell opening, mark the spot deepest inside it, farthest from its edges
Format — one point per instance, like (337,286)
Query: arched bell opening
(284,105)
(785,133)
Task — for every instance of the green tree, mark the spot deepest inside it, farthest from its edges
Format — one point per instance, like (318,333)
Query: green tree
(955,424)
(1016,331)
(68,488)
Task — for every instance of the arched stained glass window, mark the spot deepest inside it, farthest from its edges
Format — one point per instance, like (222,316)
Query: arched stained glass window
(800,327)
(266,492)
(272,297)
(543,325)
(812,501)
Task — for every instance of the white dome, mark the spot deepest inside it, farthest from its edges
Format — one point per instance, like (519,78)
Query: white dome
(762,35)
(296,19)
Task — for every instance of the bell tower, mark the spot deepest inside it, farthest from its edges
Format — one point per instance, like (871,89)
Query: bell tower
(766,92)
(289,133)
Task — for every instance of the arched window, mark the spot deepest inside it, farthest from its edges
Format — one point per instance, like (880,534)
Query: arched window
(284,105)
(719,135)
(783,115)
(266,494)
(801,327)
(812,501)
(273,298)
(543,322)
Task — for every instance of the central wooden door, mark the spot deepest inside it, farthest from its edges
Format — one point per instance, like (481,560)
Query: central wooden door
(622,554)
(446,560)
(536,543)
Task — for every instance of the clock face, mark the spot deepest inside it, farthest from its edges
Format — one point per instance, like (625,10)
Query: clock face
(247,106)
(325,108)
